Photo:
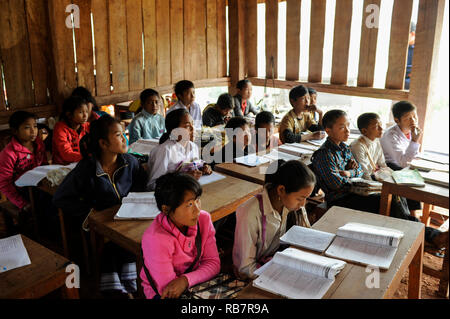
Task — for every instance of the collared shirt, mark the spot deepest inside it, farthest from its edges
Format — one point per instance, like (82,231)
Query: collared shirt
(248,246)
(146,126)
(296,125)
(398,149)
(327,161)
(365,149)
(194,110)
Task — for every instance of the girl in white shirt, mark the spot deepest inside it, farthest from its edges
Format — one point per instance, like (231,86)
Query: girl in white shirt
(176,150)
(261,221)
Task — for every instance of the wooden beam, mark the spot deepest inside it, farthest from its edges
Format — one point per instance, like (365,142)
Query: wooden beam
(316,40)
(221,39)
(251,37)
(341,41)
(118,45)
(272,39)
(100,16)
(211,38)
(368,48)
(293,10)
(236,13)
(425,58)
(45,111)
(337,89)
(150,42)
(398,47)
(163,74)
(134,45)
(176,40)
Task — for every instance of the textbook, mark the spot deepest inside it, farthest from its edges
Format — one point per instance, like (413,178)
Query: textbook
(297,274)
(317,142)
(13,253)
(408,177)
(251,160)
(436,177)
(208,179)
(144,146)
(307,238)
(365,244)
(35,175)
(138,206)
(306,150)
(274,155)
(286,148)
(424,165)
(364,187)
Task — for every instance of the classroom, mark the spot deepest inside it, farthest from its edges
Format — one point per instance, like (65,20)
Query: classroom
(253,150)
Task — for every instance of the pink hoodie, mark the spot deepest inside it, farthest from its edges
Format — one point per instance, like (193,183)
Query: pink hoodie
(168,253)
(15,160)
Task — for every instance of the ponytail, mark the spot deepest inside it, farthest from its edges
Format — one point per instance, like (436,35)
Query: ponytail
(173,120)
(293,175)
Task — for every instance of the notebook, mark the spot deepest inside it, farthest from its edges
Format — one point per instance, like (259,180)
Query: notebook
(208,179)
(305,146)
(307,238)
(13,253)
(436,177)
(252,160)
(424,165)
(34,176)
(144,146)
(138,206)
(274,155)
(292,150)
(408,177)
(365,244)
(317,142)
(297,274)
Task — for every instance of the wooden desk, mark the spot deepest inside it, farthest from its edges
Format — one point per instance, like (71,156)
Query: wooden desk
(350,283)
(46,273)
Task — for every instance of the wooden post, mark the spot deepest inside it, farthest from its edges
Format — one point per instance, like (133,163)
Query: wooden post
(236,13)
(424,63)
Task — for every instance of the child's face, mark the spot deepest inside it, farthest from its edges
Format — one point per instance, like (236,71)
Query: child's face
(188,124)
(116,142)
(225,112)
(374,129)
(188,212)
(246,92)
(301,103)
(295,200)
(188,97)
(268,128)
(80,115)
(408,120)
(340,131)
(27,131)
(152,104)
(313,98)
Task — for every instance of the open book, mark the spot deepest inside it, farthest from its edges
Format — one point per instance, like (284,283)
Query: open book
(274,155)
(297,274)
(208,179)
(252,160)
(144,146)
(34,176)
(408,177)
(305,149)
(366,244)
(296,151)
(424,165)
(435,177)
(138,206)
(307,238)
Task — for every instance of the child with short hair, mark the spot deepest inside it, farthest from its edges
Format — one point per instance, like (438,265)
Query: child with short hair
(185,92)
(400,142)
(94,112)
(176,149)
(261,221)
(242,104)
(263,136)
(148,123)
(24,152)
(220,112)
(68,132)
(179,248)
(300,119)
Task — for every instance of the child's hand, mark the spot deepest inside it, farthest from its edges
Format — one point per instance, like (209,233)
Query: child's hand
(196,174)
(345,173)
(314,108)
(206,170)
(352,164)
(416,133)
(175,288)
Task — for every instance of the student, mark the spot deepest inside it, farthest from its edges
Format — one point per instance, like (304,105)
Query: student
(242,104)
(313,104)
(94,112)
(68,132)
(185,92)
(300,119)
(334,166)
(220,112)
(261,221)
(176,149)
(367,148)
(400,142)
(264,124)
(179,247)
(148,123)
(104,176)
(24,152)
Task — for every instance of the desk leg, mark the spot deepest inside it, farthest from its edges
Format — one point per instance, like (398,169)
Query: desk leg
(426,214)
(415,274)
(139,265)
(385,201)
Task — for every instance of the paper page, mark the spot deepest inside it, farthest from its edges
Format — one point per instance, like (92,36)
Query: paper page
(137,211)
(208,179)
(274,155)
(408,177)
(140,198)
(361,252)
(435,177)
(34,176)
(308,238)
(374,234)
(428,166)
(292,150)
(305,146)
(144,146)
(13,253)
(252,160)
(317,142)
(437,158)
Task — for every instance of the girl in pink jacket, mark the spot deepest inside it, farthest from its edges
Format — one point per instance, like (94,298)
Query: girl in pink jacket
(179,247)
(24,152)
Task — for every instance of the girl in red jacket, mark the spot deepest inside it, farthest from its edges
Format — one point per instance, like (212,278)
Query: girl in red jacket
(25,151)
(69,131)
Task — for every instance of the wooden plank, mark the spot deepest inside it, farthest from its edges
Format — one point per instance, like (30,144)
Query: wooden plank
(40,111)
(221,39)
(425,59)
(118,45)
(134,37)
(211,38)
(83,38)
(15,52)
(100,16)
(398,47)
(149,20)
(40,49)
(341,42)
(236,11)
(176,40)
(368,48)
(316,40)
(195,39)
(251,40)
(163,44)
(293,10)
(272,39)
